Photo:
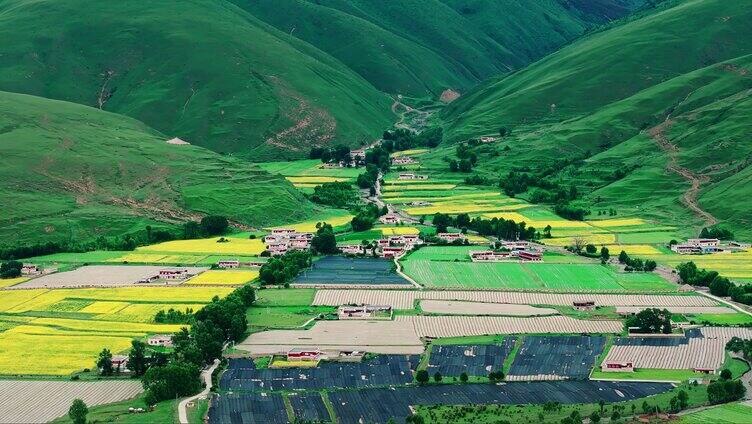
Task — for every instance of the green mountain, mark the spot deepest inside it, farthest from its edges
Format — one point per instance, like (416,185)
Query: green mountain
(72,172)
(202,70)
(663,98)
(422,47)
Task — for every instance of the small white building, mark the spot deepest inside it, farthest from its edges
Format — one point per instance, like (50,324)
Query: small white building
(30,269)
(403,160)
(228,264)
(353,249)
(704,242)
(390,219)
(173,274)
(411,176)
(164,340)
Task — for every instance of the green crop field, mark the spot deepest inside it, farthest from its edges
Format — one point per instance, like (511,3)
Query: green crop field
(732,413)
(721,319)
(514,275)
(648,374)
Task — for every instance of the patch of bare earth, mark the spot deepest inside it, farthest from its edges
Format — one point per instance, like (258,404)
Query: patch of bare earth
(312,126)
(449,95)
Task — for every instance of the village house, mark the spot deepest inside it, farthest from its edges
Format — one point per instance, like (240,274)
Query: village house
(450,237)
(704,242)
(520,245)
(403,160)
(358,154)
(298,354)
(228,263)
(164,340)
(30,269)
(489,256)
(411,176)
(390,219)
(487,139)
(686,249)
(353,249)
(361,311)
(392,252)
(530,256)
(382,242)
(173,274)
(282,231)
(277,249)
(584,305)
(120,363)
(612,366)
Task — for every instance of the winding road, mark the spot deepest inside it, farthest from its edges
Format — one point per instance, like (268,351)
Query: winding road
(206,375)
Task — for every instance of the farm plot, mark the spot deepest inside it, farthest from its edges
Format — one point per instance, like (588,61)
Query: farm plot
(7,282)
(309,167)
(456,326)
(731,265)
(223,278)
(338,270)
(57,332)
(383,370)
(669,353)
(454,307)
(27,401)
(405,299)
(380,404)
(309,407)
(158,258)
(335,218)
(731,413)
(387,337)
(101,276)
(680,310)
(250,408)
(475,360)
(232,246)
(538,276)
(443,253)
(556,357)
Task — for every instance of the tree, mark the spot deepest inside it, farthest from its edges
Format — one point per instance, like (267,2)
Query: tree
(623,257)
(10,269)
(547,231)
(720,286)
(437,377)
(726,374)
(176,379)
(191,230)
(414,419)
(683,399)
(104,362)
(463,377)
(495,376)
(723,391)
(421,376)
(605,255)
(651,320)
(578,243)
(324,241)
(687,272)
(595,417)
(137,357)
(213,225)
(441,222)
(591,249)
(78,411)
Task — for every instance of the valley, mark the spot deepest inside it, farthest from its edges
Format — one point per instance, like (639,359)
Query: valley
(348,212)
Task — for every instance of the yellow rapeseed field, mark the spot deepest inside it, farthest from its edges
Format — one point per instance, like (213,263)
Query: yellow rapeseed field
(102,307)
(540,224)
(315,179)
(310,226)
(144,312)
(732,265)
(397,231)
(633,249)
(408,152)
(236,246)
(230,278)
(457,207)
(13,298)
(596,239)
(413,186)
(157,258)
(618,222)
(7,282)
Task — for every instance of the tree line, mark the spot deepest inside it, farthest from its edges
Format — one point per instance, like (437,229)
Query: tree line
(718,285)
(209,226)
(497,227)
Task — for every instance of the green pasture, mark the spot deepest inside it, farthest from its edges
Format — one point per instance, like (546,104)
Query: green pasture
(730,413)
(308,168)
(721,319)
(652,374)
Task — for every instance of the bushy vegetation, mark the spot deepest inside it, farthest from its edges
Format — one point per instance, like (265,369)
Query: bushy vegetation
(720,233)
(324,241)
(366,217)
(497,227)
(403,139)
(651,321)
(10,269)
(635,264)
(719,285)
(282,269)
(338,194)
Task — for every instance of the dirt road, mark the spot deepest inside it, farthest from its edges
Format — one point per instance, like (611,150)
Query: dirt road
(658,133)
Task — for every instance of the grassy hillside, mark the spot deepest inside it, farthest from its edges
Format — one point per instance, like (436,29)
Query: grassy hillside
(203,70)
(663,98)
(72,172)
(421,47)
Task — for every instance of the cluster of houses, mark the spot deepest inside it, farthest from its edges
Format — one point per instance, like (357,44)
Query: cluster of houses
(523,251)
(389,248)
(411,176)
(403,160)
(282,240)
(169,274)
(364,312)
(699,246)
(390,219)
(236,263)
